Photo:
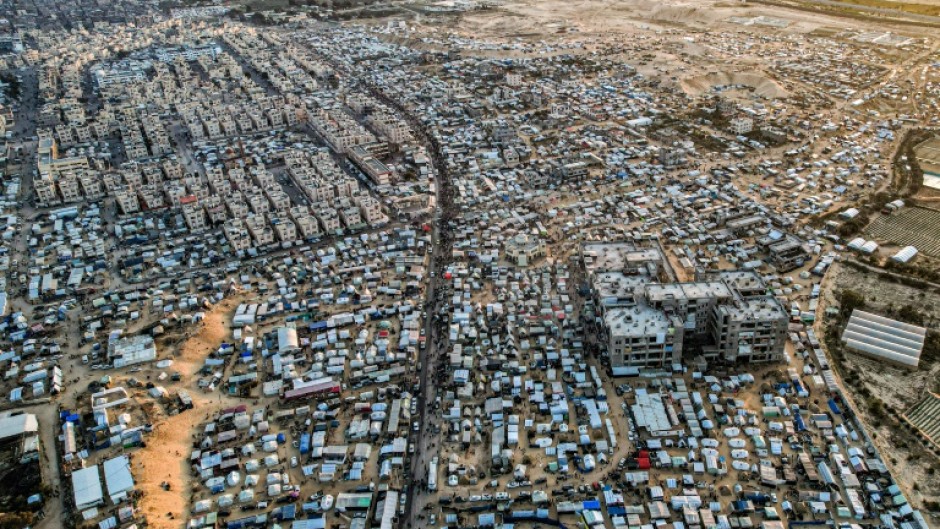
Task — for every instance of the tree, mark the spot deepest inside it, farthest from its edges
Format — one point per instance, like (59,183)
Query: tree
(13,84)
(911,314)
(16,520)
(849,300)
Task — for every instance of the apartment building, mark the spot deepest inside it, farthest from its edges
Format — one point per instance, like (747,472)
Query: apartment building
(371,209)
(328,217)
(306,223)
(127,200)
(152,196)
(215,209)
(285,229)
(237,234)
(352,217)
(187,53)
(260,230)
(193,213)
(280,200)
(741,125)
(91,185)
(258,203)
(175,191)
(339,129)
(236,205)
(69,188)
(57,181)
(749,330)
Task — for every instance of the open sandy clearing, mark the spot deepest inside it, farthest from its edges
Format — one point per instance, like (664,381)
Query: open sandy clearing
(166,456)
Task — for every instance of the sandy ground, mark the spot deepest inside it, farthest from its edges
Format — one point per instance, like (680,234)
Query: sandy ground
(166,456)
(922,2)
(762,86)
(526,18)
(213,331)
(166,459)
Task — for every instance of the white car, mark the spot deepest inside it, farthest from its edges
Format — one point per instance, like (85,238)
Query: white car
(293,462)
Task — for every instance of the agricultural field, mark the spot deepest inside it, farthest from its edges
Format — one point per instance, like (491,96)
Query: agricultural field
(915,226)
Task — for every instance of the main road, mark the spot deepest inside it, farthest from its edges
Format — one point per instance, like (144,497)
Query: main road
(427,438)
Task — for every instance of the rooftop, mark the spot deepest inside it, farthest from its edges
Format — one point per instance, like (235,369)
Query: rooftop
(604,257)
(637,321)
(17,425)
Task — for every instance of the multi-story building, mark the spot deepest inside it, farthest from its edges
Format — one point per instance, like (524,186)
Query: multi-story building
(377,171)
(127,200)
(642,336)
(193,213)
(91,185)
(260,230)
(351,216)
(306,223)
(286,230)
(46,193)
(741,125)
(371,209)
(749,330)
(786,253)
(328,217)
(237,234)
(647,323)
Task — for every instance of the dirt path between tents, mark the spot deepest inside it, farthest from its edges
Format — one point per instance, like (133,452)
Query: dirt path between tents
(212,331)
(166,456)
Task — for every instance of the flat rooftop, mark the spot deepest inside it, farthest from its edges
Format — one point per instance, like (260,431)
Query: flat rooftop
(636,322)
(742,279)
(600,257)
(760,308)
(619,285)
(687,291)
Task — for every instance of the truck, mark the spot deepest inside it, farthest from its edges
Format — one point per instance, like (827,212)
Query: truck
(432,475)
